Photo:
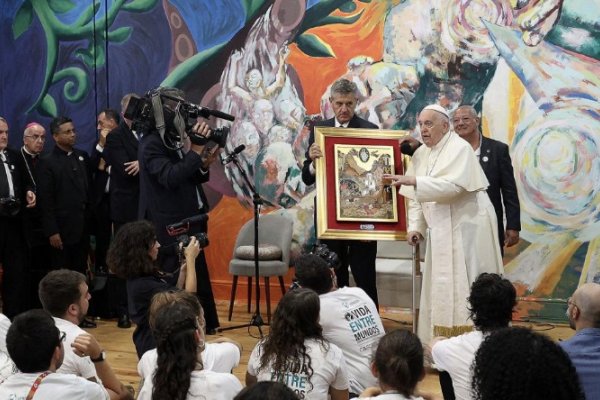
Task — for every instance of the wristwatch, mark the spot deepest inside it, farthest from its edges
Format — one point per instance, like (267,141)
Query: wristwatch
(100,358)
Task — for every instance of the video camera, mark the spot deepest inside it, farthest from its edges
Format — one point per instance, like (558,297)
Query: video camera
(180,231)
(164,110)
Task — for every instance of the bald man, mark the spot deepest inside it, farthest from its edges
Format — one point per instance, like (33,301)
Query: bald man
(583,310)
(448,204)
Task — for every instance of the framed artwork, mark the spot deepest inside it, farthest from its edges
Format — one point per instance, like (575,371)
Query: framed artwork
(353,201)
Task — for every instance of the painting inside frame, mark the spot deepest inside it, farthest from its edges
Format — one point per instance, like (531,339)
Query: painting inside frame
(361,194)
(361,222)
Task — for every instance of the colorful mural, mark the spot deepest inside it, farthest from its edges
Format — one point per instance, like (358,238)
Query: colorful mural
(530,66)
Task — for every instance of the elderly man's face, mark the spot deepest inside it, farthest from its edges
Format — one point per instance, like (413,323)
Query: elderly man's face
(465,123)
(433,126)
(3,135)
(343,106)
(34,139)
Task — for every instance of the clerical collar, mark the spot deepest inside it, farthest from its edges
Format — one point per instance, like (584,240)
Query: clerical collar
(68,153)
(28,152)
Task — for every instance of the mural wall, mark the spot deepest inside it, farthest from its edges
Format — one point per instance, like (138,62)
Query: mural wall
(530,66)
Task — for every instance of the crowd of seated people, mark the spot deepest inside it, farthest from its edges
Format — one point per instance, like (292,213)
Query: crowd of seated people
(296,360)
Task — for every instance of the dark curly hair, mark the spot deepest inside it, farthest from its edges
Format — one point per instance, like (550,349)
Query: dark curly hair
(399,361)
(127,255)
(492,300)
(517,363)
(296,319)
(266,390)
(178,351)
(313,272)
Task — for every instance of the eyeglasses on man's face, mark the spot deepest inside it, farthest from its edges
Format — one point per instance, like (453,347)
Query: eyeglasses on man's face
(36,138)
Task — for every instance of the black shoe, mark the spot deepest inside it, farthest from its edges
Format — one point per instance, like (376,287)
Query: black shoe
(124,322)
(87,323)
(212,331)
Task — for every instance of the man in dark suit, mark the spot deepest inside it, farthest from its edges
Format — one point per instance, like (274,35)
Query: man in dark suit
(38,260)
(496,163)
(358,254)
(108,120)
(65,199)
(121,154)
(171,190)
(15,196)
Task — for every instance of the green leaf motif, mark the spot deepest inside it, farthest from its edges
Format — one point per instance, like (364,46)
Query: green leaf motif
(348,7)
(48,107)
(87,15)
(86,56)
(22,20)
(120,35)
(61,6)
(314,46)
(251,7)
(367,1)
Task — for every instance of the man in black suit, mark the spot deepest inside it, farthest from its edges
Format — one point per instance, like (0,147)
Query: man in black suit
(15,195)
(121,154)
(65,199)
(171,190)
(108,120)
(39,253)
(358,254)
(496,163)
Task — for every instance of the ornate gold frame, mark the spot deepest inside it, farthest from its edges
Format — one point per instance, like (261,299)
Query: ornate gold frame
(364,231)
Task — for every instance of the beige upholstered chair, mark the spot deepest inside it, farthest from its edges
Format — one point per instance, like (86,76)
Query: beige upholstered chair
(274,239)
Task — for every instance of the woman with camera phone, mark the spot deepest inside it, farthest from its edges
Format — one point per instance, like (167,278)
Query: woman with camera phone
(132,256)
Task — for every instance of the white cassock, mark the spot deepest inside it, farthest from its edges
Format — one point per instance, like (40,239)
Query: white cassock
(450,207)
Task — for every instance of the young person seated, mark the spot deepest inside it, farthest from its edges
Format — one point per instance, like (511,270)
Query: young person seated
(36,346)
(180,374)
(348,316)
(219,355)
(296,353)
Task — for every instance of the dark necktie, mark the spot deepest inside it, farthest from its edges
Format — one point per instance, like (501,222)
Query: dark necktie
(4,186)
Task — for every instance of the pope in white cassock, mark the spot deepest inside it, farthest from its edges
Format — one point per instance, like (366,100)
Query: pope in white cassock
(447,203)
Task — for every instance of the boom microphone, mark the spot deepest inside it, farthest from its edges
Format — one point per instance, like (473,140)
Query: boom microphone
(232,155)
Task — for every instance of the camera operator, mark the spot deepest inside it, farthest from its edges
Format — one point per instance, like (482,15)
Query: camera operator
(170,185)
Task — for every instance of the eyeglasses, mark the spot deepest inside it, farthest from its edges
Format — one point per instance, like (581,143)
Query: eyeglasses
(36,138)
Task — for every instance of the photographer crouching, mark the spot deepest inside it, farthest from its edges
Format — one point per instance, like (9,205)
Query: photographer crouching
(132,255)
(175,153)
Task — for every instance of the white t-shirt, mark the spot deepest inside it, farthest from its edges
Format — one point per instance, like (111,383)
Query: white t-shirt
(4,325)
(72,363)
(329,369)
(7,367)
(455,355)
(350,320)
(217,357)
(203,385)
(54,386)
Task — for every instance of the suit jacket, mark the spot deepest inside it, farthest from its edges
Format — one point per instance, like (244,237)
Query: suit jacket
(32,217)
(64,194)
(121,147)
(99,177)
(496,163)
(169,186)
(20,182)
(355,122)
